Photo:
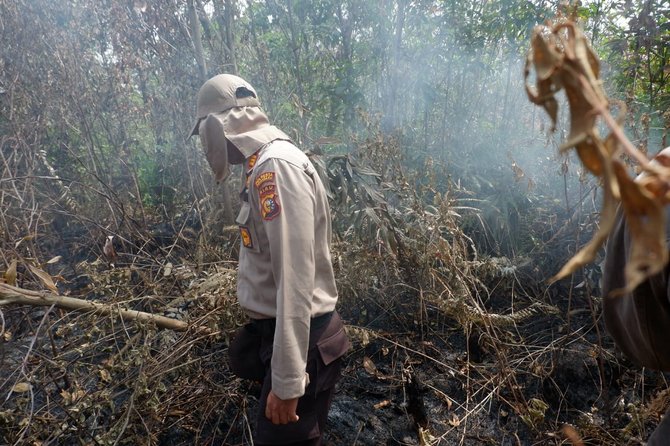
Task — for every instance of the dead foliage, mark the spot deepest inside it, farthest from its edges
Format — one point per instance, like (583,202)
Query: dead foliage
(448,344)
(562,59)
(95,378)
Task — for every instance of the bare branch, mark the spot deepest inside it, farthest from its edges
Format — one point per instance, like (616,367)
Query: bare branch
(14,295)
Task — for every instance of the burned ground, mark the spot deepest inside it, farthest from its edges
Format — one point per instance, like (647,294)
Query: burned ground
(508,368)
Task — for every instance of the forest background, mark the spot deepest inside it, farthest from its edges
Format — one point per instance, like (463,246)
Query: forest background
(451,209)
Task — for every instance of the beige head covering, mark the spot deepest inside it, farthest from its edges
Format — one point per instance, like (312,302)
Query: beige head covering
(229,110)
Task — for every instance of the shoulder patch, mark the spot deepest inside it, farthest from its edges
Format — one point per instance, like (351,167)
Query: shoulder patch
(269,198)
(247,241)
(265,177)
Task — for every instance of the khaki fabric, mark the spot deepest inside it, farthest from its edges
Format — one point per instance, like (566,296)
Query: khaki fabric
(285,269)
(228,111)
(223,92)
(248,128)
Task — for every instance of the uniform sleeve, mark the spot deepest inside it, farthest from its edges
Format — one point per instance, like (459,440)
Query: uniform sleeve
(286,202)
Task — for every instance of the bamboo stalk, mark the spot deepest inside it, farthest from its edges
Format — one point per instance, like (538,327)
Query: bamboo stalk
(14,295)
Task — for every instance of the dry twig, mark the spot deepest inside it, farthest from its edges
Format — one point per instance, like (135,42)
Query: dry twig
(14,295)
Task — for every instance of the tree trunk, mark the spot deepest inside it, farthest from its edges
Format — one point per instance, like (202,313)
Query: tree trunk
(391,120)
(197,41)
(223,204)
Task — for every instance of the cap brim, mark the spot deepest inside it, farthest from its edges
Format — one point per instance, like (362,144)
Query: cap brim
(196,129)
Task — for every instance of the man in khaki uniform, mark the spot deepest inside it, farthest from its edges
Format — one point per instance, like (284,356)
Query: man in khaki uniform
(286,284)
(639,321)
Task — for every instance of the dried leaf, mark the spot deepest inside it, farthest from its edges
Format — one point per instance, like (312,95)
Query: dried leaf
(546,56)
(358,334)
(542,93)
(572,435)
(167,270)
(369,366)
(44,277)
(588,154)
(327,140)
(445,398)
(454,420)
(108,248)
(425,437)
(21,387)
(382,404)
(607,219)
(54,260)
(10,274)
(646,222)
(563,59)
(518,172)
(67,397)
(26,238)
(72,397)
(365,339)
(558,64)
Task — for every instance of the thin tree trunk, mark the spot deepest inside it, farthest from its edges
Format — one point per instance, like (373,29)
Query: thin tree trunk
(197,40)
(229,17)
(224,201)
(392,121)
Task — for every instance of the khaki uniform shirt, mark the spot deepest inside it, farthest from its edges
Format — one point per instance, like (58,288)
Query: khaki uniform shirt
(285,269)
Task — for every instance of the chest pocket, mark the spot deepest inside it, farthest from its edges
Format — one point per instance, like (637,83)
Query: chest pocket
(248,232)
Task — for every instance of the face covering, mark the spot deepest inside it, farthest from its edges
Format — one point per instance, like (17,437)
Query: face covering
(231,124)
(214,144)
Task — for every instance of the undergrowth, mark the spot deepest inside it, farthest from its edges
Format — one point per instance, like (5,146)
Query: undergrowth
(450,344)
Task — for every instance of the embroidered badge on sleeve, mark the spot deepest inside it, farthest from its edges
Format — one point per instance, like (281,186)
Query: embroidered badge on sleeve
(247,242)
(267,191)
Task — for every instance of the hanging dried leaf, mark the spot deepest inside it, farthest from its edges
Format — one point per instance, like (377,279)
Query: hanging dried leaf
(607,219)
(646,222)
(562,58)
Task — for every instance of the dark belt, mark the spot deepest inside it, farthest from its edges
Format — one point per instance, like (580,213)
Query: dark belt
(266,327)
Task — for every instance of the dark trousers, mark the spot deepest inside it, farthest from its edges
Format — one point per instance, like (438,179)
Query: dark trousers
(250,357)
(313,409)
(661,436)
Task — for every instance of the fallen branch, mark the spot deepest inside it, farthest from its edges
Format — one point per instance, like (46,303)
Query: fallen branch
(14,295)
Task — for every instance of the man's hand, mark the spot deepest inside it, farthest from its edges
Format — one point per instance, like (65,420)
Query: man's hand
(281,411)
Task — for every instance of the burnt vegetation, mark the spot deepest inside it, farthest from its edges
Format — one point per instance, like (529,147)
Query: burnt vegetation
(452,210)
